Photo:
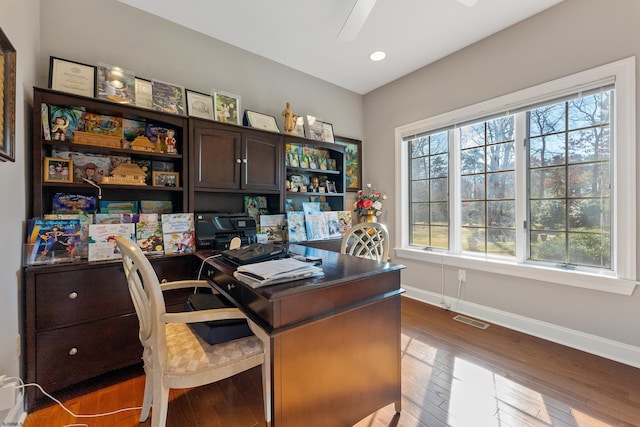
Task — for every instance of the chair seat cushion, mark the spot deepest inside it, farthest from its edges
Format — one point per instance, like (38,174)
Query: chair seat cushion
(216,331)
(187,353)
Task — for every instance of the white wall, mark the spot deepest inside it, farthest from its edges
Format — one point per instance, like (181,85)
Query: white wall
(19,21)
(570,37)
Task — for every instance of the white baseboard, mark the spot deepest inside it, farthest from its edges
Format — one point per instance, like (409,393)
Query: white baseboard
(614,350)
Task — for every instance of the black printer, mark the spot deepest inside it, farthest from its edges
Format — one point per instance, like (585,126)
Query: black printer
(215,230)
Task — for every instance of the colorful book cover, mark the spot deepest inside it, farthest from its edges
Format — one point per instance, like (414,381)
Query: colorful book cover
(290,206)
(131,129)
(272,226)
(112,206)
(114,218)
(44,117)
(149,234)
(52,240)
(85,220)
(102,240)
(296,230)
(156,206)
(178,233)
(73,203)
(104,125)
(333,224)
(310,207)
(255,206)
(64,121)
(316,226)
(345,221)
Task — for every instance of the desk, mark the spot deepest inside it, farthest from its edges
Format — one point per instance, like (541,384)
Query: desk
(335,341)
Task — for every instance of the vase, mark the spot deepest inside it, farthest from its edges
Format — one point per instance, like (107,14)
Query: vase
(369,216)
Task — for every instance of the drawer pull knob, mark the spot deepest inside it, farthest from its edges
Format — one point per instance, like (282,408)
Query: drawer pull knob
(73,295)
(163,281)
(230,286)
(73,351)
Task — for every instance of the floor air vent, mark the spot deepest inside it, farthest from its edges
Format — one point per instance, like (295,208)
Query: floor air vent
(472,322)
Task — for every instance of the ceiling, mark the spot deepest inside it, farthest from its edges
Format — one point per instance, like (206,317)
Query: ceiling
(302,34)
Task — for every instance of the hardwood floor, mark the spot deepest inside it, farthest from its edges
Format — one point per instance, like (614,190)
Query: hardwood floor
(453,374)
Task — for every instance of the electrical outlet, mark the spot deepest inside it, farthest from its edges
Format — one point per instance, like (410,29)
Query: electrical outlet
(462,276)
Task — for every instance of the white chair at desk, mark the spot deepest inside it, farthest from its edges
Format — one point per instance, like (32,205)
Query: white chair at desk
(174,356)
(367,240)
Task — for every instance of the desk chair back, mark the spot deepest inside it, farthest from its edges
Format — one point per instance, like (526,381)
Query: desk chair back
(367,240)
(174,356)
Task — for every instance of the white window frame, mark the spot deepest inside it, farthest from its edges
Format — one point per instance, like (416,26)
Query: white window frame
(622,278)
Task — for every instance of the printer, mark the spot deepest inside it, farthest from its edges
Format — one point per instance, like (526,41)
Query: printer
(215,230)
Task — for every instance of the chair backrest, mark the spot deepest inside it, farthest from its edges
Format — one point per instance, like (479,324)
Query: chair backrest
(367,240)
(146,295)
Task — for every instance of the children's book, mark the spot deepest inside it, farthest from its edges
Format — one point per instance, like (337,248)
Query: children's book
(296,230)
(290,206)
(52,240)
(178,233)
(114,218)
(255,206)
(272,226)
(44,117)
(102,124)
(149,234)
(73,203)
(316,226)
(132,129)
(112,206)
(333,224)
(156,206)
(311,207)
(85,219)
(64,121)
(102,240)
(345,221)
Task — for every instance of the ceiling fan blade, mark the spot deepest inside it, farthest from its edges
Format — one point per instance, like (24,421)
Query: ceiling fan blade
(356,19)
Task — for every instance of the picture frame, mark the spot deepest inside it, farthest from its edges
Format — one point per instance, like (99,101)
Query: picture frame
(199,105)
(144,93)
(72,77)
(260,121)
(299,129)
(319,130)
(352,162)
(57,169)
(7,99)
(226,107)
(167,97)
(165,179)
(115,84)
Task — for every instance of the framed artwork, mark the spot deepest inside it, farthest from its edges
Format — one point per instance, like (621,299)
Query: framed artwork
(167,97)
(226,107)
(260,121)
(144,93)
(115,84)
(352,162)
(199,105)
(7,99)
(165,179)
(299,129)
(58,169)
(72,77)
(319,130)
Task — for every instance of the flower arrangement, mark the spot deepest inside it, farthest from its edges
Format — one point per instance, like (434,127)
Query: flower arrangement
(369,201)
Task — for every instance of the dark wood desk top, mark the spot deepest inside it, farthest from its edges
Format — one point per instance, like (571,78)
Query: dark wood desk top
(348,281)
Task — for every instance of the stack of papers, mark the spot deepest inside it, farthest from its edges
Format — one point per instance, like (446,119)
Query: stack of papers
(276,271)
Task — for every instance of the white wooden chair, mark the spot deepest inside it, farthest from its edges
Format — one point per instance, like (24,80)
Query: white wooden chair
(174,356)
(367,240)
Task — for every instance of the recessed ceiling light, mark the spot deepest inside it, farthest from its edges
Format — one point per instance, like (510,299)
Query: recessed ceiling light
(378,55)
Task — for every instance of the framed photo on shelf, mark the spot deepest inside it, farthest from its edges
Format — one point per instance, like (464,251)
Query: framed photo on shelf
(199,105)
(72,77)
(299,129)
(319,130)
(165,179)
(226,107)
(7,99)
(58,169)
(260,121)
(144,93)
(167,97)
(115,84)
(352,162)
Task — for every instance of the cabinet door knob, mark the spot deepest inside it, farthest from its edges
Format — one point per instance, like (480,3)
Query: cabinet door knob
(73,351)
(73,295)
(163,281)
(244,161)
(238,161)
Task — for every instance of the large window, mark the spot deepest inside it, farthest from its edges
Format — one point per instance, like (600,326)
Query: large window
(542,181)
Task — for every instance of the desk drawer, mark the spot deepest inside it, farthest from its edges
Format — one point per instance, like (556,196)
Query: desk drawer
(70,297)
(69,355)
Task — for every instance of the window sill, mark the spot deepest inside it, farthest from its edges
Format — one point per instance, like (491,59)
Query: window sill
(578,279)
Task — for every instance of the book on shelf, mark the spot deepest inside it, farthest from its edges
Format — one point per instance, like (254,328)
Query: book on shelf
(85,220)
(317,228)
(178,233)
(149,234)
(345,221)
(276,271)
(255,206)
(102,240)
(52,240)
(272,226)
(296,230)
(333,224)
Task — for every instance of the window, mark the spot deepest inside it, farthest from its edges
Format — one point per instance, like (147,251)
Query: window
(533,184)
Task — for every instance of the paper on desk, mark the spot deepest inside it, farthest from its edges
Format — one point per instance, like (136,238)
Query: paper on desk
(276,271)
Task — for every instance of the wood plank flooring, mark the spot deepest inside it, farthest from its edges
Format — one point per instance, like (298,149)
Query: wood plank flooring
(453,374)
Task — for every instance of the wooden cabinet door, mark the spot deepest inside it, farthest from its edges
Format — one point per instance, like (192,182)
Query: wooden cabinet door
(217,156)
(262,161)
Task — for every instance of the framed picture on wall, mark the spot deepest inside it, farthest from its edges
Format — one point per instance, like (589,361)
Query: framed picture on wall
(352,162)
(7,99)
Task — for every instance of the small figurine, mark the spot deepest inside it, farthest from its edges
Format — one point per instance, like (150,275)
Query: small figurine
(59,128)
(290,119)
(171,142)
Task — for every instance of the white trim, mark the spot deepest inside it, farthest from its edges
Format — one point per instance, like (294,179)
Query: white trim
(613,350)
(622,73)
